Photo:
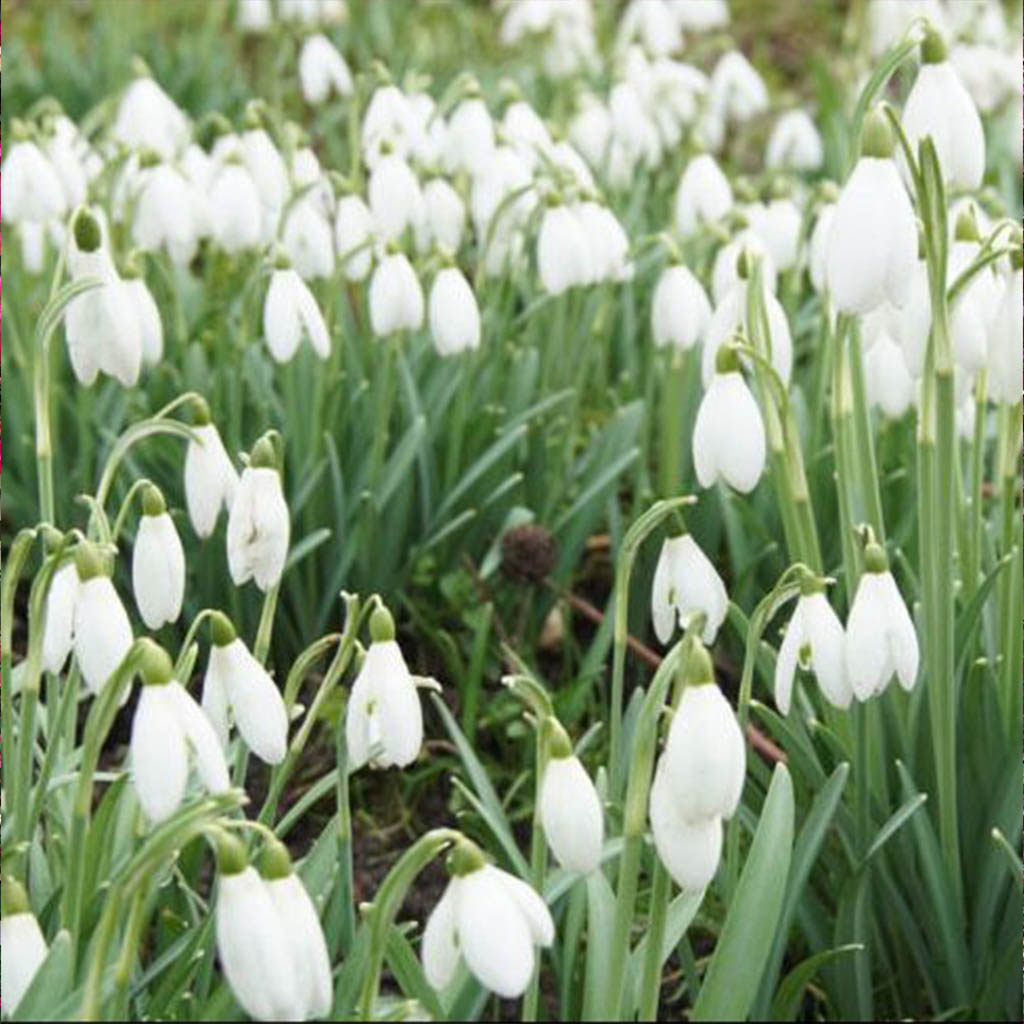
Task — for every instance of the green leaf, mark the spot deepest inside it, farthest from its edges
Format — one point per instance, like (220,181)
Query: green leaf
(745,943)
(791,991)
(895,823)
(600,926)
(51,984)
(409,973)
(681,912)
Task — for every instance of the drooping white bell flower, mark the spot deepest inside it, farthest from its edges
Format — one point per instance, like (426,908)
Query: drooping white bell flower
(396,298)
(148,119)
(453,313)
(147,314)
(210,478)
(703,17)
(523,129)
(491,920)
(444,217)
(396,200)
(290,313)
(310,182)
(725,275)
(269,173)
(686,584)
(690,850)
(570,809)
(890,20)
(680,309)
(388,125)
(590,131)
(607,241)
(102,632)
(322,70)
(736,90)
(168,728)
(58,632)
(238,688)
(158,563)
(236,215)
(23,945)
(299,12)
(469,141)
(308,240)
(259,526)
(1005,343)
(633,128)
(163,215)
(970,316)
(384,720)
(795,143)
(881,640)
(255,16)
(887,378)
(428,130)
(102,330)
(815,640)
(353,232)
(31,190)
(653,25)
(817,248)
(777,223)
(501,201)
(563,253)
(32,236)
(705,756)
(728,436)
(939,106)
(872,248)
(988,73)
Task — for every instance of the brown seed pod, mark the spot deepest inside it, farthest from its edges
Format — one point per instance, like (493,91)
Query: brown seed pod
(528,553)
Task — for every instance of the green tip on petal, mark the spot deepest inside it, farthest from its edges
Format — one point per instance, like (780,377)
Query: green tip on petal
(877,139)
(1017,259)
(88,236)
(696,668)
(875,559)
(156,668)
(13,898)
(89,561)
(275,861)
(222,632)
(465,858)
(933,46)
(811,584)
(382,625)
(967,226)
(231,856)
(263,455)
(153,503)
(727,359)
(200,411)
(743,265)
(556,740)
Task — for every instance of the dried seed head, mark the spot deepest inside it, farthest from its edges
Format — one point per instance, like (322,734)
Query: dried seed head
(528,553)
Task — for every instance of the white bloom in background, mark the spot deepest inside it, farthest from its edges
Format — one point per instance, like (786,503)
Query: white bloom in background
(70,155)
(817,249)
(690,850)
(653,25)
(469,140)
(590,130)
(23,945)
(254,15)
(290,313)
(704,195)
(322,70)
(607,242)
(795,143)
(880,637)
(353,230)
(940,106)
(686,584)
(777,223)
(58,632)
(887,378)
(308,240)
(563,252)
(269,174)
(571,815)
(728,436)
(238,688)
(680,309)
(210,478)
(163,214)
(454,316)
(396,200)
(396,298)
(872,248)
(701,17)
(523,130)
(493,921)
(970,317)
(167,728)
(815,640)
(148,119)
(1005,343)
(632,126)
(236,215)
(676,93)
(259,526)
(384,720)
(158,563)
(147,314)
(506,175)
(310,182)
(31,190)
(889,20)
(988,74)
(725,275)
(388,125)
(32,236)
(102,632)
(301,12)
(444,217)
(736,92)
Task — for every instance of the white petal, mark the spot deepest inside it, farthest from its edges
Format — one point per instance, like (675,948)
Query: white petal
(900,634)
(24,950)
(571,814)
(868,663)
(401,717)
(199,733)
(827,638)
(256,703)
(60,618)
(533,908)
(785,664)
(698,587)
(440,949)
(663,609)
(282,327)
(159,759)
(103,633)
(215,697)
(158,571)
(690,852)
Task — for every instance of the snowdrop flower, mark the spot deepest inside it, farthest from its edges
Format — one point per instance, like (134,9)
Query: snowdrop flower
(777,223)
(725,274)
(148,119)
(353,230)
(563,252)
(23,945)
(795,143)
(100,326)
(570,809)
(395,197)
(268,170)
(590,131)
(815,640)
(887,378)
(72,159)
(703,196)
(290,313)
(163,215)
(736,91)
(58,632)
(210,478)
(168,727)
(102,632)
(680,309)
(703,17)
(1005,342)
(237,687)
(236,214)
(31,189)
(158,563)
(689,850)
(522,128)
(506,175)
(880,637)
(988,74)
(387,125)
(686,584)
(653,24)
(940,106)
(607,243)
(258,523)
(396,298)
(490,919)
(254,16)
(453,313)
(971,314)
(310,182)
(889,20)
(728,436)
(444,217)
(300,12)
(872,249)
(817,248)
(469,141)
(147,315)
(322,69)
(384,721)
(308,240)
